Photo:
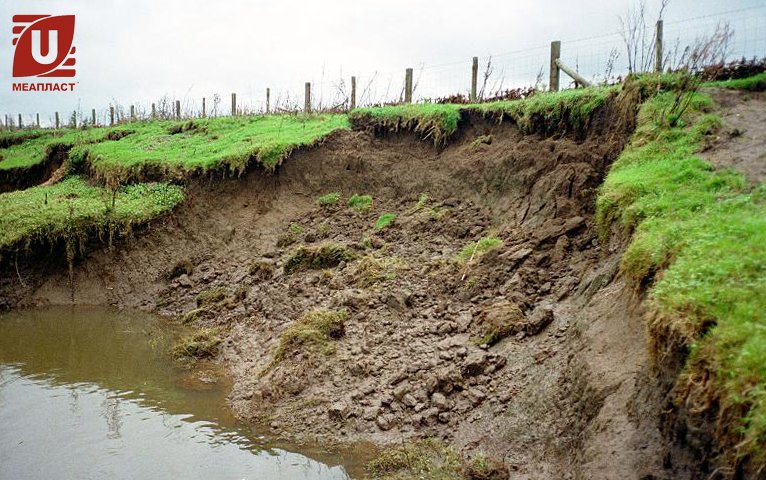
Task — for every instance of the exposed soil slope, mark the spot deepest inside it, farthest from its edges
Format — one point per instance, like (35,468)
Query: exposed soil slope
(566,393)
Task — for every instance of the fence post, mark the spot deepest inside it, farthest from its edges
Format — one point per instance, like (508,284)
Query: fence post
(154,111)
(307,98)
(178,109)
(57,120)
(74,119)
(555,73)
(408,86)
(20,125)
(111,115)
(132,113)
(658,47)
(474,78)
(353,93)
(93,116)
(203,107)
(37,120)
(233,104)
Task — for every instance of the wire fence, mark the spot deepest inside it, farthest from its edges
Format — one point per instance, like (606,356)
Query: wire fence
(599,58)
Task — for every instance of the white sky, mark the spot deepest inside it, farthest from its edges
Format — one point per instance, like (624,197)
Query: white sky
(139,50)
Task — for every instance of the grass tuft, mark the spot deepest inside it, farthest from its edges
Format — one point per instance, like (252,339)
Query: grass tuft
(311,333)
(360,203)
(329,199)
(476,250)
(318,257)
(423,459)
(200,344)
(384,221)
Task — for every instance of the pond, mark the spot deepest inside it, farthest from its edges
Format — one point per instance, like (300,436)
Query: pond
(91,393)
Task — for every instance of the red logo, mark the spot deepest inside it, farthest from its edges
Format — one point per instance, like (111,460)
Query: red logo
(43,46)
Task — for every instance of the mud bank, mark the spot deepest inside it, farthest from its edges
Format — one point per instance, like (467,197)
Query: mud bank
(562,391)
(22,178)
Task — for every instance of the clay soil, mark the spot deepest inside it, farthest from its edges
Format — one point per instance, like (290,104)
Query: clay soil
(566,394)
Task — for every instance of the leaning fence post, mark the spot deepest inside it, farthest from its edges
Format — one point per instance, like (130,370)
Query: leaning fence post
(555,73)
(268,100)
(203,107)
(353,93)
(408,86)
(307,98)
(474,78)
(57,120)
(233,104)
(111,115)
(178,108)
(658,47)
(93,116)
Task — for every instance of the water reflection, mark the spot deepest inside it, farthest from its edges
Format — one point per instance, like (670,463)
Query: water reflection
(91,393)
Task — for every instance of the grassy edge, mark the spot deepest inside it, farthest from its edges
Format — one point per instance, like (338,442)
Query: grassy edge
(676,210)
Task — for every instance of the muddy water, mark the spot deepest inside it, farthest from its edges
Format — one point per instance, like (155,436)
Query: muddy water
(91,393)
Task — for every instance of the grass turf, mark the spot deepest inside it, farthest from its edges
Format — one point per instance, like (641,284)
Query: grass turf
(699,240)
(72,208)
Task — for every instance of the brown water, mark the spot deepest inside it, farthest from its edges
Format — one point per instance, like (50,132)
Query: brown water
(91,393)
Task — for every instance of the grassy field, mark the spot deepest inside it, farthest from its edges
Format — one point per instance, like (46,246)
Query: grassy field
(699,240)
(72,208)
(175,147)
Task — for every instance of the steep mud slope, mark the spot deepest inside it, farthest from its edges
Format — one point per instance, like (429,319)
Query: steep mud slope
(487,313)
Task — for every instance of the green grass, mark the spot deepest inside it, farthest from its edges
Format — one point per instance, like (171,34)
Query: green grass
(361,203)
(73,208)
(385,221)
(548,112)
(435,121)
(756,83)
(422,459)
(329,199)
(180,148)
(475,250)
(200,344)
(699,240)
(311,333)
(34,150)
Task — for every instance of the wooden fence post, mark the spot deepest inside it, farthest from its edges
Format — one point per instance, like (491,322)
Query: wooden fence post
(474,78)
(353,93)
(132,113)
(37,120)
(203,107)
(154,111)
(74,119)
(268,100)
(233,104)
(178,109)
(57,120)
(20,125)
(307,98)
(658,47)
(555,73)
(93,116)
(111,115)
(408,86)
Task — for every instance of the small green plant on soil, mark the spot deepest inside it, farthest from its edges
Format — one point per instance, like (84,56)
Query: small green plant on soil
(329,199)
(423,199)
(200,344)
(422,459)
(370,270)
(312,333)
(483,467)
(384,221)
(211,296)
(318,257)
(475,250)
(361,203)
(261,269)
(699,243)
(295,229)
(196,315)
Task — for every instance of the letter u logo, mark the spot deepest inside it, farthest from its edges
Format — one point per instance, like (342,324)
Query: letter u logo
(37,47)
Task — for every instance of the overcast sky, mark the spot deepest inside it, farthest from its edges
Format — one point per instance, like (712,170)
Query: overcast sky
(135,51)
